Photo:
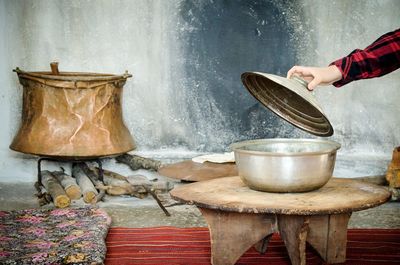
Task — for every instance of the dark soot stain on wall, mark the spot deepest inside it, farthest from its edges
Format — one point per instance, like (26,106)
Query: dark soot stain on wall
(225,39)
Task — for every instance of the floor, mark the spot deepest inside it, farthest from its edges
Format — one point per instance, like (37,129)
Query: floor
(133,212)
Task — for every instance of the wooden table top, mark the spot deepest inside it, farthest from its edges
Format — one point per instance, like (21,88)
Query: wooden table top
(191,171)
(231,194)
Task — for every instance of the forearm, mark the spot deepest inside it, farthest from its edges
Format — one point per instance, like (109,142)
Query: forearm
(378,59)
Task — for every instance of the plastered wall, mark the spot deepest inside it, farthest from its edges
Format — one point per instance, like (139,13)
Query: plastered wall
(186,58)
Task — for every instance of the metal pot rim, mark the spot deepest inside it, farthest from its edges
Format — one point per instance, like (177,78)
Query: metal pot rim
(236,147)
(72,76)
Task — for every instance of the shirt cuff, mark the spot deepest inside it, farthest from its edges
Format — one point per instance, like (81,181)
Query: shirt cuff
(338,64)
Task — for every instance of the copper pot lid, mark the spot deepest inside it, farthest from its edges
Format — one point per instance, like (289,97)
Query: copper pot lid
(289,99)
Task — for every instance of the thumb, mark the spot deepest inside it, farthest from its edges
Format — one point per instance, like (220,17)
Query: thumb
(313,84)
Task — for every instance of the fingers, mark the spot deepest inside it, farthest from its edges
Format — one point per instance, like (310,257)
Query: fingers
(291,72)
(307,74)
(301,70)
(313,84)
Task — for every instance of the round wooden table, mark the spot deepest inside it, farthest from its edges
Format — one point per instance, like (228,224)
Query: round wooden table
(239,217)
(191,171)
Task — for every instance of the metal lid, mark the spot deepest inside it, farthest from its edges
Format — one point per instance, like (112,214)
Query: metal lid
(290,99)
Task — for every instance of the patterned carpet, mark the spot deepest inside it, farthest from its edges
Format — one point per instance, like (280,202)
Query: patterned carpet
(186,246)
(53,236)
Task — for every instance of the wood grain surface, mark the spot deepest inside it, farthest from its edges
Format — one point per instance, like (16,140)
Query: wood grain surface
(191,171)
(231,194)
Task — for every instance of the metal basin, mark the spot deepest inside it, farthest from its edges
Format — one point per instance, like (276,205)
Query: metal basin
(285,165)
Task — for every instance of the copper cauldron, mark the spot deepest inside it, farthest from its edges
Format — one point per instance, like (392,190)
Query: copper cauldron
(72,115)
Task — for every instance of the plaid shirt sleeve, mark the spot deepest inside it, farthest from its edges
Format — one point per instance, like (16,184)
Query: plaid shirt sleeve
(379,58)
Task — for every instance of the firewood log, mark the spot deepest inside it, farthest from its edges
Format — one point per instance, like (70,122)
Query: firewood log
(95,180)
(54,188)
(116,180)
(88,190)
(159,186)
(43,196)
(69,184)
(117,184)
(162,186)
(138,180)
(136,162)
(111,174)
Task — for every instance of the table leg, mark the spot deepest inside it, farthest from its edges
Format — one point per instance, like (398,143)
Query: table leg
(328,236)
(293,230)
(262,245)
(233,233)
(326,233)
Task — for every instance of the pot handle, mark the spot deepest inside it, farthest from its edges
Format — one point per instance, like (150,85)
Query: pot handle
(126,74)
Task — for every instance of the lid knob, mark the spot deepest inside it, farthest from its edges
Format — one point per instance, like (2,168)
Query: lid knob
(54,68)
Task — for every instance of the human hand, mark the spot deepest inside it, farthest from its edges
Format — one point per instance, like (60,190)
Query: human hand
(317,75)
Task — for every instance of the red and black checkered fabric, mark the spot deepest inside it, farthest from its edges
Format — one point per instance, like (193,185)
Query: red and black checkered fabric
(378,59)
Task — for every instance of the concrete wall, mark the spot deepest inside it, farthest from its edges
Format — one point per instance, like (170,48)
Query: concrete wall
(187,56)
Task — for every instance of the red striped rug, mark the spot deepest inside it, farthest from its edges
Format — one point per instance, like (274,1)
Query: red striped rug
(187,246)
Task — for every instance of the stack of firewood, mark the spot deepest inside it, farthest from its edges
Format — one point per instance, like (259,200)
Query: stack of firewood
(85,182)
